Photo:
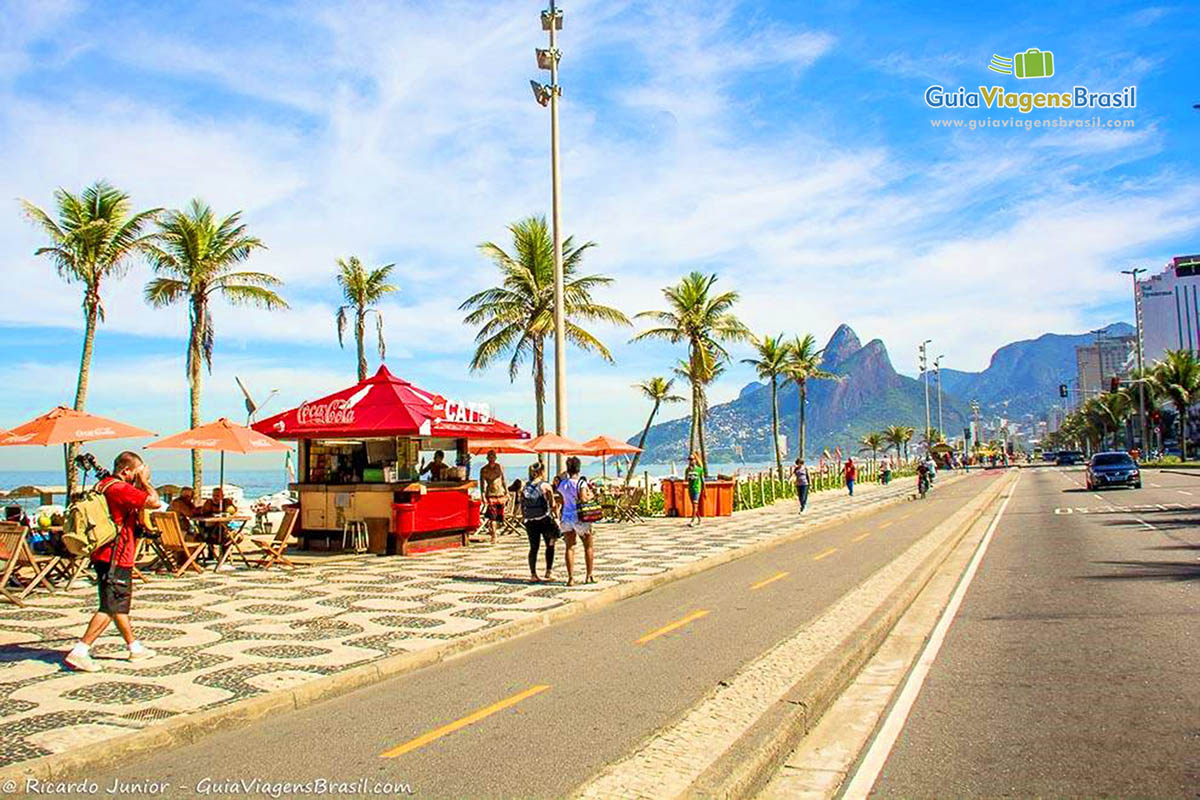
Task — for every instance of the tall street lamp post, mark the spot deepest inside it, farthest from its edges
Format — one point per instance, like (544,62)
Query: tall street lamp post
(922,350)
(1137,316)
(552,22)
(937,370)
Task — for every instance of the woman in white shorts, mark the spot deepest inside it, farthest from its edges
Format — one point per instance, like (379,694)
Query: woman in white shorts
(568,490)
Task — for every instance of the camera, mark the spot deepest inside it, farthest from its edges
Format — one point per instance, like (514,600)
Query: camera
(87,462)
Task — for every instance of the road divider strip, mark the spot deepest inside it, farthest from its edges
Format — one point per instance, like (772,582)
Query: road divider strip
(470,719)
(825,554)
(679,623)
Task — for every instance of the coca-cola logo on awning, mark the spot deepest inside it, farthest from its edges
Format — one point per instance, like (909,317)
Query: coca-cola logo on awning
(335,412)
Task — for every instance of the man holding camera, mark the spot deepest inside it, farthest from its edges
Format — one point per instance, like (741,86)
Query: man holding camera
(128,491)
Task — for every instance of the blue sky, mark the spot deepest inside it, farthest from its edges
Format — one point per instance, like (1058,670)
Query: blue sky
(784,145)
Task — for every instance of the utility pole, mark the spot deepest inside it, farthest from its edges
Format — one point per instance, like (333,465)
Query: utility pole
(924,361)
(937,369)
(552,21)
(1137,315)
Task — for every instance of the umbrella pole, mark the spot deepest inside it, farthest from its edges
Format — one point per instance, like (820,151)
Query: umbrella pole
(603,466)
(222,484)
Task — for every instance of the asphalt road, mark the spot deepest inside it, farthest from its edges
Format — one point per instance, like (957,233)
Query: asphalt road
(606,691)
(1073,665)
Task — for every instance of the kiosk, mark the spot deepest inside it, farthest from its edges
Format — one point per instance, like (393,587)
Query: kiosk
(361,461)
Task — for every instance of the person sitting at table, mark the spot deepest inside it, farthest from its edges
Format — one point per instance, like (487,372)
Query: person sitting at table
(185,506)
(216,505)
(15,513)
(437,469)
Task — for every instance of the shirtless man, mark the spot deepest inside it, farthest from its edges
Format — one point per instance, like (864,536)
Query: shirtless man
(495,493)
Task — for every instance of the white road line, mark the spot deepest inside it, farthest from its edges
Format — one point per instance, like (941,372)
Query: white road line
(1098,497)
(881,747)
(1181,491)
(1156,486)
(1147,524)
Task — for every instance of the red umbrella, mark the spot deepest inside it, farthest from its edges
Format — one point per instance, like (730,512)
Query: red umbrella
(384,405)
(65,425)
(222,435)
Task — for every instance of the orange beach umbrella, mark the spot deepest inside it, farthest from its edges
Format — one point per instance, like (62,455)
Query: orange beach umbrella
(222,435)
(606,446)
(500,446)
(64,425)
(553,443)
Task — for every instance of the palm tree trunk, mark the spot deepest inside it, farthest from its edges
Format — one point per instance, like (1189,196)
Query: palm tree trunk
(539,383)
(803,386)
(775,428)
(700,414)
(1181,410)
(90,315)
(360,332)
(694,420)
(641,443)
(195,376)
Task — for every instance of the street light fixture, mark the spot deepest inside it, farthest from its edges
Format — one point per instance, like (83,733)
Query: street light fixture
(549,95)
(1137,316)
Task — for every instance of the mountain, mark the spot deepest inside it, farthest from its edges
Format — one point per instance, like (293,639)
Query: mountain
(1023,377)
(869,396)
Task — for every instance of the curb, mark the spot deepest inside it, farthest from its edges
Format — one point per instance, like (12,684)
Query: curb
(194,726)
(745,768)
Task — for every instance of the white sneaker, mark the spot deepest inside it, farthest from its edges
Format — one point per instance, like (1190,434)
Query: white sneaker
(81,661)
(139,652)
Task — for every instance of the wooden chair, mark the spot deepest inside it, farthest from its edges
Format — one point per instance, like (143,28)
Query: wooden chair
(12,550)
(514,518)
(41,566)
(273,550)
(182,553)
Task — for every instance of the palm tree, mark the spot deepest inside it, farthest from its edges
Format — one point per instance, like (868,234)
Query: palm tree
(93,240)
(1177,376)
(804,364)
(700,373)
(657,391)
(516,317)
(703,320)
(898,436)
(769,365)
(194,257)
(1117,408)
(872,442)
(1154,401)
(362,290)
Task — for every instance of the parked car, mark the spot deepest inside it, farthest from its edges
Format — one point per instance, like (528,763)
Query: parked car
(1114,468)
(1050,456)
(1069,458)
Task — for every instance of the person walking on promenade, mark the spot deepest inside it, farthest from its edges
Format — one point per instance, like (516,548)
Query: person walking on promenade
(127,491)
(495,495)
(694,475)
(537,506)
(800,476)
(574,489)
(885,472)
(850,473)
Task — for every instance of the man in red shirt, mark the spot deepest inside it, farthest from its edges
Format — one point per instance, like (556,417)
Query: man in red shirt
(851,474)
(128,491)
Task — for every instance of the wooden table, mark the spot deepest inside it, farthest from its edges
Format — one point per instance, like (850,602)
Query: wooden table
(232,527)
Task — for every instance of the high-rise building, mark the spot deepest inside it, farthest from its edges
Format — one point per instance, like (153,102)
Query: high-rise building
(1169,305)
(1098,363)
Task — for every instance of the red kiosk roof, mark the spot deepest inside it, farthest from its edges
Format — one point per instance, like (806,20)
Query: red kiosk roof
(384,405)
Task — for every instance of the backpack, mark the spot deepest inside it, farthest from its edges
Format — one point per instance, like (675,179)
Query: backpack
(533,501)
(587,506)
(88,525)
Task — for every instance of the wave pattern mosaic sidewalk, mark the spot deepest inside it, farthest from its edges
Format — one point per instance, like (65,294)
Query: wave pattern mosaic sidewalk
(227,636)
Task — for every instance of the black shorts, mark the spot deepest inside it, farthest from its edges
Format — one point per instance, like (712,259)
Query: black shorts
(115,586)
(544,527)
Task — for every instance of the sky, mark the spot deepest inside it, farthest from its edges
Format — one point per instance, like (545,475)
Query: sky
(786,147)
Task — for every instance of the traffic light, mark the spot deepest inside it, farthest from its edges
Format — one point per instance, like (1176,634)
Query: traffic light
(1062,390)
